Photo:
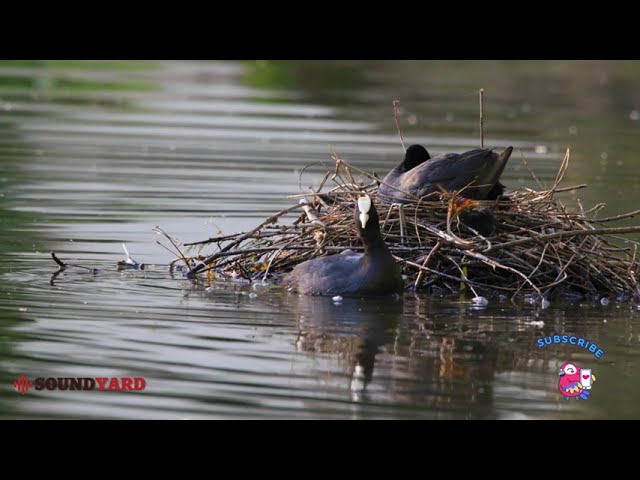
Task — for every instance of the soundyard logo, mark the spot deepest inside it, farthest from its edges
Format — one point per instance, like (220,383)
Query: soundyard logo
(131,384)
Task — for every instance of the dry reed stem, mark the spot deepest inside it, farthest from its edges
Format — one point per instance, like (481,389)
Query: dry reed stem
(396,117)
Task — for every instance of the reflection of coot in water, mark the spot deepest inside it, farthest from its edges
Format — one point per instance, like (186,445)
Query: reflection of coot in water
(371,273)
(354,329)
(414,358)
(478,170)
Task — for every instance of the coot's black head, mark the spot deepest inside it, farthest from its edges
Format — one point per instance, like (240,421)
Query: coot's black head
(415,155)
(366,217)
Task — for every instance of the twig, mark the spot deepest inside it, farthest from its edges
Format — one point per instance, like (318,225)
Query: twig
(452,277)
(463,274)
(451,213)
(273,257)
(614,218)
(535,269)
(302,173)
(535,177)
(563,169)
(64,265)
(633,259)
(312,216)
(58,261)
(494,264)
(269,220)
(428,258)
(482,118)
(568,234)
(175,245)
(324,180)
(211,240)
(569,189)
(396,114)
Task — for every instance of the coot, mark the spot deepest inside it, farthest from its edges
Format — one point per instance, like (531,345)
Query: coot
(419,175)
(371,273)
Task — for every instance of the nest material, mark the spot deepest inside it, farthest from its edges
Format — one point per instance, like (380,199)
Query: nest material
(540,249)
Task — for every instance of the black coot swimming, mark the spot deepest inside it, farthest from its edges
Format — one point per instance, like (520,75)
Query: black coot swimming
(420,175)
(371,273)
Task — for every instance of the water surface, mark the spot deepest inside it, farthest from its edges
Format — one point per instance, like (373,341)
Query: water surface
(95,154)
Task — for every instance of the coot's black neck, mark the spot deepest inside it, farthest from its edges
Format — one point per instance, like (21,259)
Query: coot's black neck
(374,244)
(371,236)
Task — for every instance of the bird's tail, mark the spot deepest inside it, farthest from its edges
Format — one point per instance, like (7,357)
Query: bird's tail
(494,169)
(585,394)
(506,153)
(503,158)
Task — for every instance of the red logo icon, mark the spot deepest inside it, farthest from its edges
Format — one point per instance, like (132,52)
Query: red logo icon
(22,384)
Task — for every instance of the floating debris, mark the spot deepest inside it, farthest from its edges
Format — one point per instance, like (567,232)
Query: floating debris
(129,262)
(480,301)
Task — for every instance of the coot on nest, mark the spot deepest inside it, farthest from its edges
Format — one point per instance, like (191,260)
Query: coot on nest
(419,175)
(371,273)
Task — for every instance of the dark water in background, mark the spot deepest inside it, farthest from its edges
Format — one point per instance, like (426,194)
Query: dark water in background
(95,154)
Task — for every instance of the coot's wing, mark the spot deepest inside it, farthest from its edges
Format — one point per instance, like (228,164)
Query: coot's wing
(450,168)
(452,171)
(324,275)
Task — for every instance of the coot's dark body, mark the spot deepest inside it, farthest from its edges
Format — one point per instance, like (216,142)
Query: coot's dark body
(419,175)
(371,273)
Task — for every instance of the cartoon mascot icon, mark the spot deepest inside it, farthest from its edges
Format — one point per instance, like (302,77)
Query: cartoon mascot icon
(575,382)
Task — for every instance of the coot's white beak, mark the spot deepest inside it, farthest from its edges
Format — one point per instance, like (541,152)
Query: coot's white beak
(364,205)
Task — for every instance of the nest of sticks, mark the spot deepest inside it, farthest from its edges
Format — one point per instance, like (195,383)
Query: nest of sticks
(541,248)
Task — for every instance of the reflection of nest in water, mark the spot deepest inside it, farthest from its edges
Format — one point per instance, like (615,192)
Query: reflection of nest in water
(540,247)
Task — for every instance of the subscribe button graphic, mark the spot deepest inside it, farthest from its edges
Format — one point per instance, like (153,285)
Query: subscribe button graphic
(131,384)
